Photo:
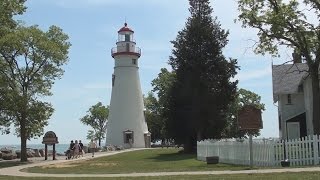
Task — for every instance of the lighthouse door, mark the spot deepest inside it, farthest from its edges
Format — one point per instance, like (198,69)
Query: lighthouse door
(128,138)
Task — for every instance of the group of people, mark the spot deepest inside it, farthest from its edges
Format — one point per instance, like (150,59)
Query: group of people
(76,149)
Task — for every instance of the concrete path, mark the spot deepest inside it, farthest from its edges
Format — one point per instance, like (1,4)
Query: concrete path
(15,171)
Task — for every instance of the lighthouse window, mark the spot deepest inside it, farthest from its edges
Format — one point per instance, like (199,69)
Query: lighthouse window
(127,37)
(134,61)
(113,78)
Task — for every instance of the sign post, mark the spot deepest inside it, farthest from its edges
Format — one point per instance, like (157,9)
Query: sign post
(249,118)
(251,150)
(50,138)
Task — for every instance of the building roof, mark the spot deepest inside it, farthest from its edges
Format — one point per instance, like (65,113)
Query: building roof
(125,29)
(286,78)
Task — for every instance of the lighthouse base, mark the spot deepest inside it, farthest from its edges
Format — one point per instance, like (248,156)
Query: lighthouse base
(130,139)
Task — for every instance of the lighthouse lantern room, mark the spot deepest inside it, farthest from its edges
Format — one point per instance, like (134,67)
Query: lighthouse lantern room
(126,122)
(125,44)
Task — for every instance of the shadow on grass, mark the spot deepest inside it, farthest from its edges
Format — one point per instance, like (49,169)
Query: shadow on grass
(179,156)
(5,164)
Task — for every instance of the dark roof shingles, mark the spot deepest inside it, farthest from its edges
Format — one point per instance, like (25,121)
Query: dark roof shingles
(286,78)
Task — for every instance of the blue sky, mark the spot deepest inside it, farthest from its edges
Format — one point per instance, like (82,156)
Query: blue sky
(92,26)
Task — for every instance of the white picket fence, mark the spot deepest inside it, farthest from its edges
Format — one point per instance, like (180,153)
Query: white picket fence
(266,152)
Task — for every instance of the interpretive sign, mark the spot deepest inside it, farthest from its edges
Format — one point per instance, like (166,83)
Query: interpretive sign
(249,117)
(50,138)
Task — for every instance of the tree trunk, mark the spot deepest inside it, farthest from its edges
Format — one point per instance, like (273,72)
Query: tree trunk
(199,136)
(316,102)
(23,138)
(189,145)
(99,141)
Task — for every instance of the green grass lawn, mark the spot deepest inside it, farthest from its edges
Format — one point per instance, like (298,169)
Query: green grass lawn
(151,160)
(276,176)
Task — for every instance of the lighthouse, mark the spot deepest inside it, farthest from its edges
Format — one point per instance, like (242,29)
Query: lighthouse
(126,122)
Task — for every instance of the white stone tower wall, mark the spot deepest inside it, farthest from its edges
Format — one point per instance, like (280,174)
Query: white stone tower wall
(126,106)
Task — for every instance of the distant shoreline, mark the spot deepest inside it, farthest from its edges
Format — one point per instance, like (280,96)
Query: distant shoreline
(60,148)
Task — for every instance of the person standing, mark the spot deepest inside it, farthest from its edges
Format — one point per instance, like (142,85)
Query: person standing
(71,145)
(92,146)
(81,151)
(76,149)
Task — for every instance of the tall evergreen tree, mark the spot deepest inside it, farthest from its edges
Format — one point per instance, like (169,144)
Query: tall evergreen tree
(200,97)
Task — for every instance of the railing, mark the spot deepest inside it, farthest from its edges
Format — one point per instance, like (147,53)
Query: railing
(118,51)
(302,151)
(123,40)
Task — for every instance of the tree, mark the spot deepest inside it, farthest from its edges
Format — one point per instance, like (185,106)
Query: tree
(286,23)
(30,61)
(10,8)
(153,117)
(200,96)
(97,118)
(244,97)
(157,107)
(92,135)
(162,85)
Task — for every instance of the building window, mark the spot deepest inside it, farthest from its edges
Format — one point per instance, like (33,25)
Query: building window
(134,61)
(300,88)
(113,79)
(279,122)
(289,99)
(127,37)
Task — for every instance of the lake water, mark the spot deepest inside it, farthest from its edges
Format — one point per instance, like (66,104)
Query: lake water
(60,148)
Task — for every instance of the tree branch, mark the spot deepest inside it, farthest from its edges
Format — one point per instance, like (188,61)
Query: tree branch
(316,3)
(37,70)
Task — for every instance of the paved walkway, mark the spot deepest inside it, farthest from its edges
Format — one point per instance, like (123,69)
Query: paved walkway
(15,170)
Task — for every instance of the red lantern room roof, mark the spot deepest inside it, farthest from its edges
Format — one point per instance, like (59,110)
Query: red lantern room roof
(125,29)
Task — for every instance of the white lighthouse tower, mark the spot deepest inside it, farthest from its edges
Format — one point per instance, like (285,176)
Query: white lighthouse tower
(126,122)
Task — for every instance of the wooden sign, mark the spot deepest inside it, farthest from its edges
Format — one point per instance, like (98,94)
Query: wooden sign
(249,117)
(50,138)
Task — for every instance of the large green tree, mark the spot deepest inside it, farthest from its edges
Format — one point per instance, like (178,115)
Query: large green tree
(162,86)
(157,105)
(292,24)
(153,117)
(10,8)
(97,118)
(30,61)
(244,97)
(200,96)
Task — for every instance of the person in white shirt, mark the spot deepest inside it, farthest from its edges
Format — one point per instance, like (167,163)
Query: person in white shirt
(92,146)
(76,149)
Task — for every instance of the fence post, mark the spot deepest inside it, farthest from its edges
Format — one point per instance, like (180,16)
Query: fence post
(315,150)
(206,145)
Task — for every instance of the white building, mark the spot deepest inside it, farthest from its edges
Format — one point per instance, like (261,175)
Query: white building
(292,90)
(126,122)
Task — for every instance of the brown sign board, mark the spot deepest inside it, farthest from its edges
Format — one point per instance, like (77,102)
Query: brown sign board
(249,117)
(50,138)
